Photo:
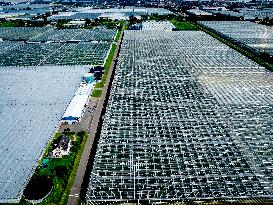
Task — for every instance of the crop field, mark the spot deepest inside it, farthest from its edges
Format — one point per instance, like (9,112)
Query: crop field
(32,101)
(188,118)
(85,53)
(256,36)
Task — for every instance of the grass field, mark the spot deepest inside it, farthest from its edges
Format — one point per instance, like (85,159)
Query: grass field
(96,93)
(9,24)
(183,25)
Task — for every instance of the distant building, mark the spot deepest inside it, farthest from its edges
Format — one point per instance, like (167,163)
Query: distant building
(199,12)
(218,8)
(137,26)
(98,71)
(237,1)
(75,24)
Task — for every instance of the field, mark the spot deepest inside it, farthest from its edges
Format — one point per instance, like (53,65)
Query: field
(183,25)
(188,118)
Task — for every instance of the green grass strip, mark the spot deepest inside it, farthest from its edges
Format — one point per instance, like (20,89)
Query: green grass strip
(65,194)
(183,25)
(96,93)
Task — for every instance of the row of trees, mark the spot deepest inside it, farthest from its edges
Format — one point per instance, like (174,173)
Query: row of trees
(267,21)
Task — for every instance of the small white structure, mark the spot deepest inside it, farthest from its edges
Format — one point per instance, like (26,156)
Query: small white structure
(75,24)
(199,12)
(214,8)
(76,108)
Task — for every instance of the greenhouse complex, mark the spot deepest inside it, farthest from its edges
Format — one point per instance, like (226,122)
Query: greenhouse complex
(30,113)
(188,118)
(55,47)
(113,13)
(41,71)
(256,36)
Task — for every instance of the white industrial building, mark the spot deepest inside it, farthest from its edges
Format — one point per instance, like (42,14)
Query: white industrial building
(76,107)
(199,12)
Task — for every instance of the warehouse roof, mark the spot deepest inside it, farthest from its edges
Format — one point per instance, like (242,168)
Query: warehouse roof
(75,109)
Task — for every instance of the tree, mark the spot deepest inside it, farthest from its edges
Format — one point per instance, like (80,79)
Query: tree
(87,21)
(266,57)
(21,23)
(132,20)
(61,172)
(45,19)
(144,17)
(266,19)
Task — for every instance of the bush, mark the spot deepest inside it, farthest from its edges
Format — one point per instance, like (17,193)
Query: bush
(61,172)
(96,93)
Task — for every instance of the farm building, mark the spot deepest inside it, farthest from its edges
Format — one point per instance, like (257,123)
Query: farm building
(76,108)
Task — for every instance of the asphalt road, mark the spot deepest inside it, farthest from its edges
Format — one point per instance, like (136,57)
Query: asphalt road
(74,196)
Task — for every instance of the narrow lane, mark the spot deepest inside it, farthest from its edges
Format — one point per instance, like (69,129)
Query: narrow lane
(76,188)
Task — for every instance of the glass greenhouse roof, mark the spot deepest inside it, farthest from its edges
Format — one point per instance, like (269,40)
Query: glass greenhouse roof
(188,118)
(29,114)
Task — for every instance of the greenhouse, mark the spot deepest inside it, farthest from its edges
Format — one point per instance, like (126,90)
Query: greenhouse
(154,25)
(114,13)
(85,53)
(30,113)
(129,10)
(74,16)
(43,34)
(7,45)
(247,13)
(188,118)
(21,33)
(65,35)
(256,36)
